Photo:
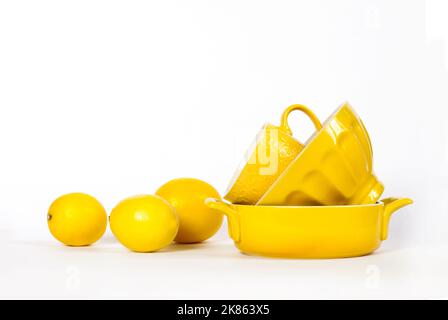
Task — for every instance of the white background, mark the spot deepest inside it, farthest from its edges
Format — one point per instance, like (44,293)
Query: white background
(114,98)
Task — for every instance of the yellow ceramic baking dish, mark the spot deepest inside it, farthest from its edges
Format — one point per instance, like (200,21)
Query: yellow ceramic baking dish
(309,231)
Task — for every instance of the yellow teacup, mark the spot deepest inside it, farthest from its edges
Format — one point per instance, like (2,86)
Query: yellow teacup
(335,167)
(274,149)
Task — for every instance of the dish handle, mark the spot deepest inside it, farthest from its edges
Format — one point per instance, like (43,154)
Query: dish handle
(390,206)
(230,212)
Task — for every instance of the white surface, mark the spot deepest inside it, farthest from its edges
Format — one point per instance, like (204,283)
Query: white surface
(114,98)
(215,270)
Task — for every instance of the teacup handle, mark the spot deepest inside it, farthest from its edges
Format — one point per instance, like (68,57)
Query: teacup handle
(284,121)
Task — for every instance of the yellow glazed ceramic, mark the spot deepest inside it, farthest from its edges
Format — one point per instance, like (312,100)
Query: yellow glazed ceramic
(335,167)
(309,231)
(273,151)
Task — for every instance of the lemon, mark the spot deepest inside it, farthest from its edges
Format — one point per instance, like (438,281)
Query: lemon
(197,221)
(144,223)
(77,219)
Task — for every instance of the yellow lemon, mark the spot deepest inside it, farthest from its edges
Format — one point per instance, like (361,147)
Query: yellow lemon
(144,223)
(77,219)
(197,221)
